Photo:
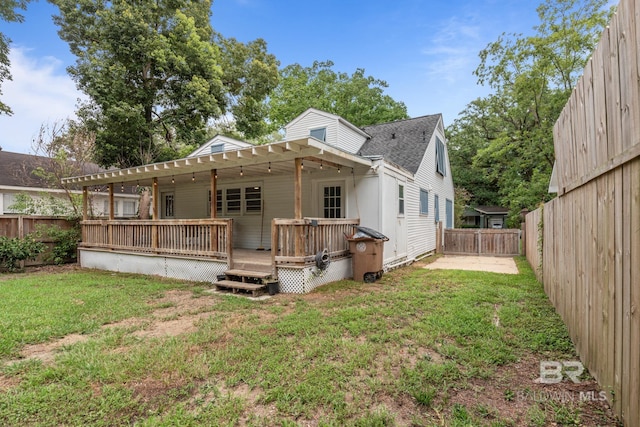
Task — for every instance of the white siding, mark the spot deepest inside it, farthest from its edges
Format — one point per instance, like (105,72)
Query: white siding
(394,224)
(349,140)
(338,133)
(228,144)
(300,128)
(422,228)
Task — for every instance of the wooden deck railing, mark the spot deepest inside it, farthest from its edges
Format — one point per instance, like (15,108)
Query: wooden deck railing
(297,241)
(193,237)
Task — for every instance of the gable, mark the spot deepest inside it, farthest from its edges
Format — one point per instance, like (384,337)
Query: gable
(218,144)
(334,129)
(403,142)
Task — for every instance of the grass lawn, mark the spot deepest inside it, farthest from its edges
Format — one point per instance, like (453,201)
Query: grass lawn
(419,347)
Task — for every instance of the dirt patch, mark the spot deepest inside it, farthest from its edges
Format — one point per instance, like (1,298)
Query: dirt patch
(178,314)
(514,393)
(8,382)
(40,269)
(503,265)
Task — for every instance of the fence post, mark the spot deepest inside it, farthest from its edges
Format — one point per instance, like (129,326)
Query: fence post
(523,238)
(21,234)
(479,234)
(439,238)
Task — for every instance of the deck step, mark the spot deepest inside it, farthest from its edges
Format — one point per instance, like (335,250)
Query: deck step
(235,286)
(248,273)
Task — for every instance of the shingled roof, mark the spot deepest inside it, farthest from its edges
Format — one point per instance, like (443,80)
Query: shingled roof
(16,169)
(402,142)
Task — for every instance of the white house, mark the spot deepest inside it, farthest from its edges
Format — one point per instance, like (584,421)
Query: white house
(276,208)
(17,177)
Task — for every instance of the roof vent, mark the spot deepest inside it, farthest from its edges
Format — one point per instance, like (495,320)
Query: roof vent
(393,136)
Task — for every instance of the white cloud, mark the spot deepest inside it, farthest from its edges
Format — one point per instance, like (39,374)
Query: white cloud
(41,92)
(453,50)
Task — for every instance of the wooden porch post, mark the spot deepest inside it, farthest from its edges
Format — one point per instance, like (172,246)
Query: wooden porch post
(297,189)
(85,203)
(155,194)
(111,203)
(155,197)
(213,231)
(111,215)
(214,194)
(297,179)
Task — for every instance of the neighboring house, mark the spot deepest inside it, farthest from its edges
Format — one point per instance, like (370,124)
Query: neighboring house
(17,177)
(285,202)
(485,216)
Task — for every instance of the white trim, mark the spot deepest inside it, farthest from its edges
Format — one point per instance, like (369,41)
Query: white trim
(280,151)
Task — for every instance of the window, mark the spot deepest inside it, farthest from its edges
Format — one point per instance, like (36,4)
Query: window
(424,202)
(168,204)
(440,158)
(218,202)
(234,202)
(129,208)
(449,213)
(400,199)
(253,199)
(436,207)
(217,148)
(332,201)
(320,133)
(8,202)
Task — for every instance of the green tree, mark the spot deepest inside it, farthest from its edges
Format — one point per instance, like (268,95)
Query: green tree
(8,13)
(358,98)
(505,140)
(155,76)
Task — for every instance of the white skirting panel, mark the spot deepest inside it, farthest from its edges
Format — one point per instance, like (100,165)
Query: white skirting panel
(306,279)
(199,270)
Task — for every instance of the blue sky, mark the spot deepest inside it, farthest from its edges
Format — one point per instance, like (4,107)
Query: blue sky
(426,50)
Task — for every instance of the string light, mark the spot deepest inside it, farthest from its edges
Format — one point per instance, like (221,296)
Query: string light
(137,185)
(122,187)
(302,164)
(320,164)
(193,177)
(338,169)
(269,167)
(241,172)
(173,180)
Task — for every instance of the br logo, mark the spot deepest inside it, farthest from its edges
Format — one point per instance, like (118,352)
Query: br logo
(552,372)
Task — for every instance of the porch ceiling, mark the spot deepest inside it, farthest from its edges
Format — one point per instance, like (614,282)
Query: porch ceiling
(254,161)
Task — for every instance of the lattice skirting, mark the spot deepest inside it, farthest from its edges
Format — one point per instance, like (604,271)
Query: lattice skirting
(199,270)
(303,280)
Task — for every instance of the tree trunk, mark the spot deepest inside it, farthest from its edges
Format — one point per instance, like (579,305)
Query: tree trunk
(145,204)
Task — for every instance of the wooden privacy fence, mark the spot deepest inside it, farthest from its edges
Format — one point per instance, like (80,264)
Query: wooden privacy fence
(591,232)
(531,243)
(13,226)
(482,241)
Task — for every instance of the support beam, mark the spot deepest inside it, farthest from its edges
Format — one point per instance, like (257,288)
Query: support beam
(111,203)
(85,203)
(299,236)
(214,193)
(297,189)
(155,200)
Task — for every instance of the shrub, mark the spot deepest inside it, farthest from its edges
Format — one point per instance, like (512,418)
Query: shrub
(65,243)
(14,250)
